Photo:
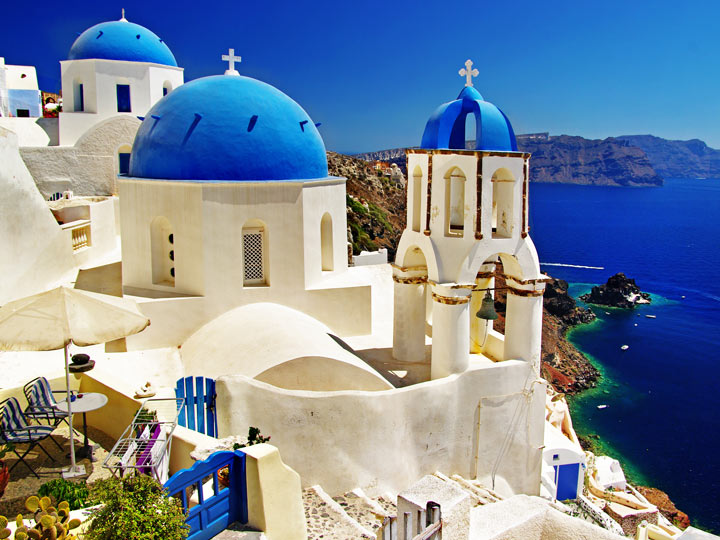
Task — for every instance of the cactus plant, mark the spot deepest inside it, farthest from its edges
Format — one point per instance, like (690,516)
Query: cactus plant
(50,523)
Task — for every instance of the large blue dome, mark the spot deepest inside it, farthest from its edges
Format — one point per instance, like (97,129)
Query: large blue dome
(446,126)
(228,127)
(121,40)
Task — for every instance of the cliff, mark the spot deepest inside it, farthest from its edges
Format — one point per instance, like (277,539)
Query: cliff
(569,160)
(375,205)
(678,159)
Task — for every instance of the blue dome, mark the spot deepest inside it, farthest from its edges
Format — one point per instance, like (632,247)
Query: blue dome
(446,127)
(121,40)
(228,127)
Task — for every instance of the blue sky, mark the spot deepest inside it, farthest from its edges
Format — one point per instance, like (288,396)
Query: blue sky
(372,72)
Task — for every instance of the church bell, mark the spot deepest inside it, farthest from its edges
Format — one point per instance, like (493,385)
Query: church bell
(487,308)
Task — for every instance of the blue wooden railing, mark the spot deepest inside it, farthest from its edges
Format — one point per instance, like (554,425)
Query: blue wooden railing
(198,413)
(217,506)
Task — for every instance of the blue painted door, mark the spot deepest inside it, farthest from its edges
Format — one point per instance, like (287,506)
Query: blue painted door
(218,506)
(567,481)
(198,412)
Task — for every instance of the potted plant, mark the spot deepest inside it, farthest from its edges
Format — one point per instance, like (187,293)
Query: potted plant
(4,471)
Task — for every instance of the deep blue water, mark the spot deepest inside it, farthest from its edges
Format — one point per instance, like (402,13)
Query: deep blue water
(662,393)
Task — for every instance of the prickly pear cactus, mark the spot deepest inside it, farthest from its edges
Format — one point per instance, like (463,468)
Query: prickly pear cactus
(50,523)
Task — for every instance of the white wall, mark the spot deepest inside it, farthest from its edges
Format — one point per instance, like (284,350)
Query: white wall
(16,80)
(34,255)
(207,220)
(384,441)
(99,79)
(33,131)
(88,168)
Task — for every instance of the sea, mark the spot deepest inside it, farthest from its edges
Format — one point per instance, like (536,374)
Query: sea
(662,414)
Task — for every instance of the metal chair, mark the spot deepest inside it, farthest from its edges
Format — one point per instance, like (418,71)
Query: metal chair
(41,402)
(15,429)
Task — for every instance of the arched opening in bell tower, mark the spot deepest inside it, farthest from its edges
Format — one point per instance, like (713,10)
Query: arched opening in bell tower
(503,183)
(454,202)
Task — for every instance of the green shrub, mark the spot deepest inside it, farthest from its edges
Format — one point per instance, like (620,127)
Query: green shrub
(355,205)
(75,493)
(135,507)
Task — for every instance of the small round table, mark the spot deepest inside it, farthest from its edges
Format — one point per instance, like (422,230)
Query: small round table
(84,403)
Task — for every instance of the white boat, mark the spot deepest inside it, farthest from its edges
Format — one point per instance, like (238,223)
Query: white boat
(602,406)
(651,316)
(625,347)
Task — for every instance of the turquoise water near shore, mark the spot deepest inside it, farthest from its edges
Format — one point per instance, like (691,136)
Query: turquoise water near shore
(661,418)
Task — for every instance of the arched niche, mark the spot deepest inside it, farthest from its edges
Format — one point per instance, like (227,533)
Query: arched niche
(255,250)
(123,162)
(454,202)
(162,246)
(503,205)
(416,198)
(167,88)
(326,242)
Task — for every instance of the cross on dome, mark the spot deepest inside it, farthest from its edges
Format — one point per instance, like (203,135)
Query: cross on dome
(230,58)
(468,72)
(123,16)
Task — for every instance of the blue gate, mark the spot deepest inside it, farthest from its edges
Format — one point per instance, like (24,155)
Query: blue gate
(217,506)
(198,413)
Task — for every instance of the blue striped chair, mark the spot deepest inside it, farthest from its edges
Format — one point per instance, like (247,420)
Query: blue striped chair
(15,430)
(41,402)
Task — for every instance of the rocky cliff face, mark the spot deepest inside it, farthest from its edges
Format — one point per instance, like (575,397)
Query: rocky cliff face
(375,205)
(569,160)
(678,159)
(574,160)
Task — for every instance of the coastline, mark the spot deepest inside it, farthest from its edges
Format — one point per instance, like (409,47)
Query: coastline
(584,401)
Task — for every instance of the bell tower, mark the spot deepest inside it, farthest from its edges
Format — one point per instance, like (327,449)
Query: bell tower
(467,211)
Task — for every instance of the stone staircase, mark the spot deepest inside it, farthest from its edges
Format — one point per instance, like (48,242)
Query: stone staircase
(354,515)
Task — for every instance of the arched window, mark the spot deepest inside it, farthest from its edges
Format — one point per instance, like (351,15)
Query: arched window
(454,202)
(78,96)
(503,184)
(416,190)
(254,240)
(326,242)
(162,246)
(167,88)
(124,159)
(470,131)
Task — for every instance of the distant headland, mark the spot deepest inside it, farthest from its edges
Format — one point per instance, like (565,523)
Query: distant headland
(627,160)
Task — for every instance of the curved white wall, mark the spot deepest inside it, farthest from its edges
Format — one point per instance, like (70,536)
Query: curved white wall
(384,441)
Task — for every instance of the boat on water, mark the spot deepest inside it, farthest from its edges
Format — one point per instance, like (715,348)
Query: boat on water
(602,406)
(651,316)
(625,347)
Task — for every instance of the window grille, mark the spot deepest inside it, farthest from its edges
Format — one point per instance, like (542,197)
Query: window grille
(254,271)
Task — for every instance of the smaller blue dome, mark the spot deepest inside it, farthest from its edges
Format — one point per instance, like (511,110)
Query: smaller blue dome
(228,128)
(446,126)
(121,40)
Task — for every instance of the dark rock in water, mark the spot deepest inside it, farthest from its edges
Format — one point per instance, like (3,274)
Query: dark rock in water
(619,291)
(558,302)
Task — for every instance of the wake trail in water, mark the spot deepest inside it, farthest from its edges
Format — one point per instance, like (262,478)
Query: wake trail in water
(573,266)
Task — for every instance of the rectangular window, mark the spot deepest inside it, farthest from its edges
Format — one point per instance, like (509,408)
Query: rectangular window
(124,163)
(123,98)
(22,113)
(254,267)
(79,98)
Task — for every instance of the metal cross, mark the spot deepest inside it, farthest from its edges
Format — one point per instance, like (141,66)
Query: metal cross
(468,72)
(123,15)
(231,59)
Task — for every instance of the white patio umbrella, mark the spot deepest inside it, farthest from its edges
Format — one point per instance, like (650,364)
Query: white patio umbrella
(53,319)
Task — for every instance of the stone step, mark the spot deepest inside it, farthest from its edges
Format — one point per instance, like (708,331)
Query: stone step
(388,503)
(367,512)
(327,520)
(486,495)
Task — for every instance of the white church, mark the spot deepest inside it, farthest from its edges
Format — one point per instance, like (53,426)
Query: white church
(210,204)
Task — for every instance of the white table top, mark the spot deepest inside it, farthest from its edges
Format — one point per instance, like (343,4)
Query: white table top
(88,402)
